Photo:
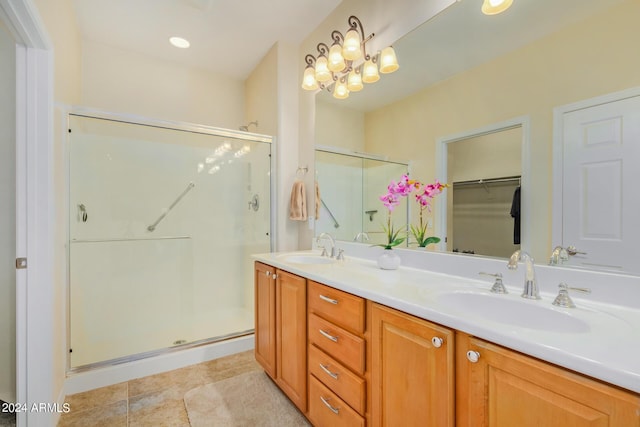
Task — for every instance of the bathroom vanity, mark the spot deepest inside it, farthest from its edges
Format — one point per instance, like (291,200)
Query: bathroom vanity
(353,345)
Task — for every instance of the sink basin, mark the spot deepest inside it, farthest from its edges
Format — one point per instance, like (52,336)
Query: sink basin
(308,259)
(511,311)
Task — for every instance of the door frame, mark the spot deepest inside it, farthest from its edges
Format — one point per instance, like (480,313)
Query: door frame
(524,122)
(35,347)
(558,152)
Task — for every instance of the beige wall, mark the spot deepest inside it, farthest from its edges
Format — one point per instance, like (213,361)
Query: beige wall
(574,64)
(339,127)
(127,82)
(261,94)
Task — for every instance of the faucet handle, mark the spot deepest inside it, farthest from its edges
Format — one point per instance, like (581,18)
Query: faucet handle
(498,286)
(573,251)
(340,256)
(563,299)
(324,252)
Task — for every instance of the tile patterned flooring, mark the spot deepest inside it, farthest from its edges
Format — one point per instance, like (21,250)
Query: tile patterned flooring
(156,400)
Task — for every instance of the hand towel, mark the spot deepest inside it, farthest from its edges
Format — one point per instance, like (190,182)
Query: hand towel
(298,204)
(317,201)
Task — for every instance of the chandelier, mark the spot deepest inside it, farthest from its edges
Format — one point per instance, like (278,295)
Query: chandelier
(345,66)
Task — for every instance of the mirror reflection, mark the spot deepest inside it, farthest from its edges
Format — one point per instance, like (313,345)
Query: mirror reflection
(350,186)
(463,70)
(483,209)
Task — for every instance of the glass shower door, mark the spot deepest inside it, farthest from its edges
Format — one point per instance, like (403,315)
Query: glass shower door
(162,223)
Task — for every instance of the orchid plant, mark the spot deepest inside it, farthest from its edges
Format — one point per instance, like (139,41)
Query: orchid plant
(424,194)
(395,191)
(423,197)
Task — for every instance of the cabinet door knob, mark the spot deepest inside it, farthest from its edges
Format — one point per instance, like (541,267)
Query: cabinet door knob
(473,356)
(268,273)
(274,276)
(437,342)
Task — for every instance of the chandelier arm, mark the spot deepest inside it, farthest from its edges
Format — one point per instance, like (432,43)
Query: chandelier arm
(310,60)
(355,24)
(337,37)
(323,49)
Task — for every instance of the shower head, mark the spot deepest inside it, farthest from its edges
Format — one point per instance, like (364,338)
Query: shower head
(246,128)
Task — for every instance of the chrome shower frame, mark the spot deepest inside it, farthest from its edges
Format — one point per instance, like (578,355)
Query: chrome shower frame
(66,112)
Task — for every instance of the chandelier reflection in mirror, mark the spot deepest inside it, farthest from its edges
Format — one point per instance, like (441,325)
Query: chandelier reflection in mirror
(345,66)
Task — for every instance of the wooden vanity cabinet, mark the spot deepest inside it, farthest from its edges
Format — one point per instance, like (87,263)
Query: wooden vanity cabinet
(499,387)
(337,366)
(265,317)
(412,370)
(281,330)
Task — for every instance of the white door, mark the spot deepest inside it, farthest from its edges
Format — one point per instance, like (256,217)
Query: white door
(7,217)
(601,172)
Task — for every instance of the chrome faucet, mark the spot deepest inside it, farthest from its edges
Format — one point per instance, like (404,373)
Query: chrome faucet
(558,256)
(333,244)
(530,285)
(361,236)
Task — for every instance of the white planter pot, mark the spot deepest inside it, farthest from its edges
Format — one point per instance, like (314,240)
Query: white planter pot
(389,260)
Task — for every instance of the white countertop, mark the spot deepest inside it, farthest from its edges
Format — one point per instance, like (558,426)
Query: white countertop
(608,349)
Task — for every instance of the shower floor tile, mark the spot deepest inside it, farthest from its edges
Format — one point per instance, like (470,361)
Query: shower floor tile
(154,400)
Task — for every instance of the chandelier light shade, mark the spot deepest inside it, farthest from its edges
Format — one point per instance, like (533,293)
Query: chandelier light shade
(351,47)
(354,81)
(336,60)
(370,72)
(340,90)
(322,69)
(340,69)
(493,7)
(388,61)
(309,81)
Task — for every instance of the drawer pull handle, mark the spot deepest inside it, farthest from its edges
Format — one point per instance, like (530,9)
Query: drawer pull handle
(328,405)
(328,372)
(329,300)
(328,336)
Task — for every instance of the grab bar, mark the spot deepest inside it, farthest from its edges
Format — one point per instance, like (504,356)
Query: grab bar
(335,221)
(175,202)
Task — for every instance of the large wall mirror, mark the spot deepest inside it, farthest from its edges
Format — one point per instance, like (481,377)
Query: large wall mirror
(462,71)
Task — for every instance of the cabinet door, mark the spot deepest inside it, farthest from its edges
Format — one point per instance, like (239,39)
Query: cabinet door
(411,376)
(504,389)
(291,324)
(265,317)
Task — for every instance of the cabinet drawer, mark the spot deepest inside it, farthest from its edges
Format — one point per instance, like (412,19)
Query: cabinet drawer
(327,409)
(347,385)
(337,342)
(341,308)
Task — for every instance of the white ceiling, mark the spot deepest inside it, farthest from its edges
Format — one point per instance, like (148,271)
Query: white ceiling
(227,36)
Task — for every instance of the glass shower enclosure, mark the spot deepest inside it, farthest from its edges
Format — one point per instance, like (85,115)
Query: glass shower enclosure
(162,222)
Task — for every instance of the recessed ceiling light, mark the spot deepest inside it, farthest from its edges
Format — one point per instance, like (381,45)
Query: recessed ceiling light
(179,42)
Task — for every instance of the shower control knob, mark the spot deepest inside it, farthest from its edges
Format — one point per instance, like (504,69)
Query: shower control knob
(437,342)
